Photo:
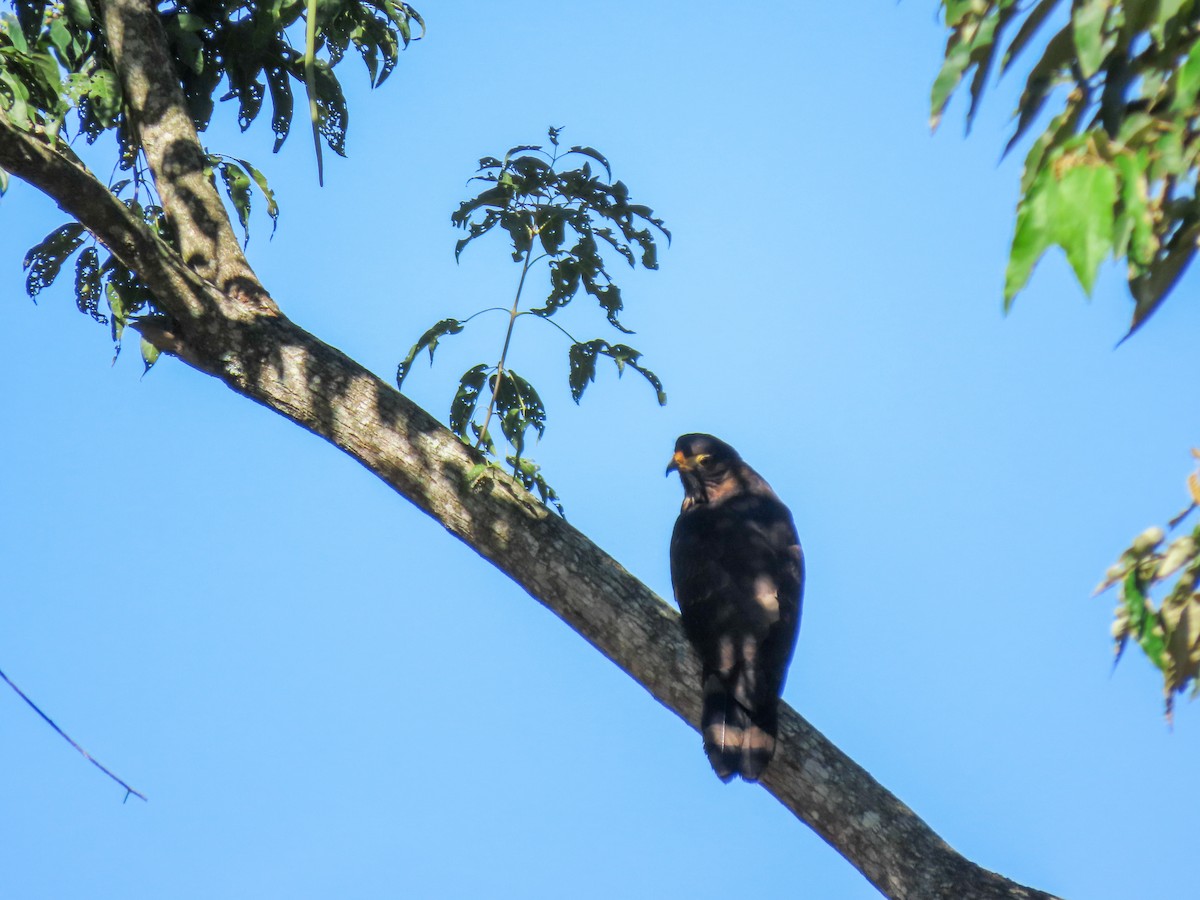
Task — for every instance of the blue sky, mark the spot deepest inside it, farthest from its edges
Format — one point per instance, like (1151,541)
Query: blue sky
(323,694)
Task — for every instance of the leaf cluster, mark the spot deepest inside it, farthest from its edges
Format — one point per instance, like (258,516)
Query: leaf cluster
(1115,169)
(1168,634)
(252,48)
(105,290)
(570,213)
(54,59)
(583,356)
(52,62)
(237,177)
(249,44)
(568,218)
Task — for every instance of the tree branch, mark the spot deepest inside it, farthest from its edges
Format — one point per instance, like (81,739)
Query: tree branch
(274,362)
(66,737)
(226,325)
(321,389)
(164,126)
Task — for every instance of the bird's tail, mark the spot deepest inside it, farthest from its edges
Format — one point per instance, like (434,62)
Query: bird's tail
(736,742)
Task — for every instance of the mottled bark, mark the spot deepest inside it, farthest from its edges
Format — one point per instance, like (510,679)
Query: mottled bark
(160,118)
(323,390)
(242,340)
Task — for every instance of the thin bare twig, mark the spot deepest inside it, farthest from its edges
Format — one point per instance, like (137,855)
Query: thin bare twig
(67,738)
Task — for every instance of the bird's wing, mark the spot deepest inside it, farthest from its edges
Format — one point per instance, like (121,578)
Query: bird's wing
(737,572)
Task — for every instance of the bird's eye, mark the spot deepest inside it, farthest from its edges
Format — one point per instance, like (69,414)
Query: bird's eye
(703,460)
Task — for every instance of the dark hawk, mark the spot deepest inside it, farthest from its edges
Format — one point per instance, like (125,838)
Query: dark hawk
(738,574)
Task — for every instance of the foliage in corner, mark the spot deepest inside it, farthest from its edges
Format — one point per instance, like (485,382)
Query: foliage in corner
(57,80)
(1168,634)
(1115,170)
(54,59)
(565,217)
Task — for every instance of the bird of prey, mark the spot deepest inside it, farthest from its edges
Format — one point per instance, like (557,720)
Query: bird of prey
(738,575)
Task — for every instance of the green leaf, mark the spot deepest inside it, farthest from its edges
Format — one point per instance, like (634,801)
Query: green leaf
(261,180)
(1167,10)
(16,35)
(79,14)
(1070,202)
(550,229)
(1037,16)
(1087,27)
(519,407)
(1187,84)
(429,340)
(1057,55)
(149,355)
(118,319)
(530,475)
(237,184)
(1134,235)
(565,275)
(956,11)
(659,393)
(60,37)
(45,260)
(512,151)
(609,297)
(310,83)
(582,360)
(594,154)
(282,102)
(1083,215)
(624,356)
(983,54)
(466,399)
(87,284)
(333,112)
(1170,153)
(400,14)
(1031,236)
(1143,622)
(1151,286)
(1060,130)
(958,58)
(18,110)
(583,357)
(483,439)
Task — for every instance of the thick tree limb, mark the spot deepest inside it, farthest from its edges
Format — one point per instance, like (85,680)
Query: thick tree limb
(274,362)
(242,340)
(163,123)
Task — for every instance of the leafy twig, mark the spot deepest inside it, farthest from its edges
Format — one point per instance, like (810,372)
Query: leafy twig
(512,320)
(564,216)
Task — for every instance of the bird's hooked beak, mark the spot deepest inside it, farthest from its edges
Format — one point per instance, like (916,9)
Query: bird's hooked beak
(678,463)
